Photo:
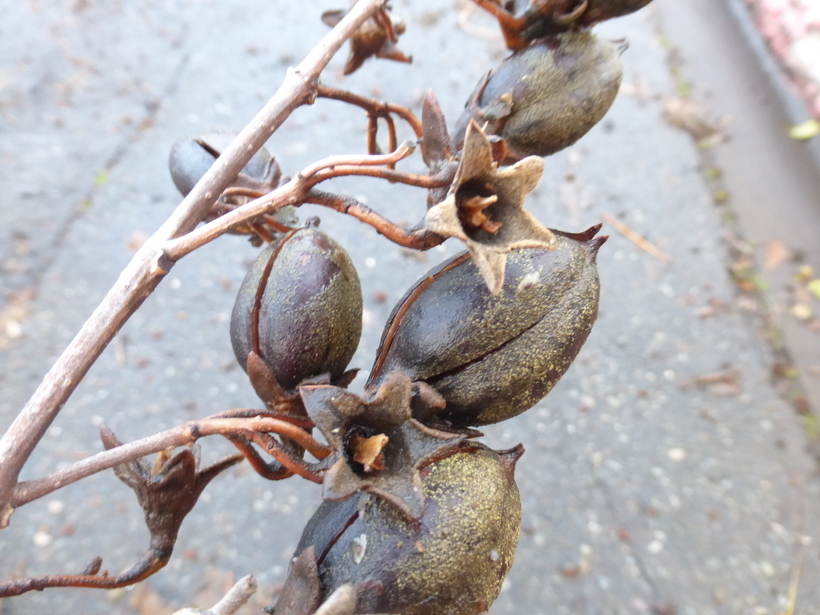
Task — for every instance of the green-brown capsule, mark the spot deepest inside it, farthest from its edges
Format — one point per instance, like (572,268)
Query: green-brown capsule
(493,357)
(299,309)
(548,95)
(450,562)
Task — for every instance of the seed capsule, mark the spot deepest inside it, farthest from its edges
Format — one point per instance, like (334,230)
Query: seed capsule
(191,158)
(600,10)
(548,95)
(493,357)
(450,562)
(299,309)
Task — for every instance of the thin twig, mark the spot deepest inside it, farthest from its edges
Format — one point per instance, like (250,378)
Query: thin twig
(292,193)
(182,435)
(372,106)
(420,181)
(418,240)
(632,236)
(150,264)
(400,153)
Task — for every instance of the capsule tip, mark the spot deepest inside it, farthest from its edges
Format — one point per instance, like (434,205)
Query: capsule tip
(509,458)
(583,235)
(593,245)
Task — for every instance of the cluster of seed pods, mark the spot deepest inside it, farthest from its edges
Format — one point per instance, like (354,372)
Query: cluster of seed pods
(419,517)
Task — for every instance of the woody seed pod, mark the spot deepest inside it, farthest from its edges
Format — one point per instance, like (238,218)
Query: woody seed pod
(299,308)
(548,95)
(601,10)
(450,562)
(493,357)
(191,158)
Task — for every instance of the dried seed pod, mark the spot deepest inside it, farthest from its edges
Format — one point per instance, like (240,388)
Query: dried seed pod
(547,96)
(299,309)
(451,562)
(493,357)
(191,158)
(601,10)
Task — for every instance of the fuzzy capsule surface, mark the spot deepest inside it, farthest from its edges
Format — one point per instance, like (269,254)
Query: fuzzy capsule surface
(299,308)
(450,562)
(493,357)
(547,96)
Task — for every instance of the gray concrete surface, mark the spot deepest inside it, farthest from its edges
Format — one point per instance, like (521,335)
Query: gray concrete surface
(642,491)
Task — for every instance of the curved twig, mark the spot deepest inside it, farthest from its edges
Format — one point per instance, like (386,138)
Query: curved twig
(403,151)
(411,179)
(148,564)
(182,435)
(420,239)
(292,193)
(372,106)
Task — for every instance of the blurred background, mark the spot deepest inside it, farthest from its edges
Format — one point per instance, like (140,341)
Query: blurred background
(672,471)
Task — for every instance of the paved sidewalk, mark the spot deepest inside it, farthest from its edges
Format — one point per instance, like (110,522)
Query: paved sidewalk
(791,30)
(648,485)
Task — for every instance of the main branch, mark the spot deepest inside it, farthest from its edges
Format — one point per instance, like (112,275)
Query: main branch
(150,265)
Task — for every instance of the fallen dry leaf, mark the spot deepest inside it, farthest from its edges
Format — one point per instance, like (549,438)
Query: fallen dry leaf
(777,253)
(805,274)
(690,116)
(136,240)
(801,311)
(715,307)
(146,601)
(12,317)
(635,238)
(725,383)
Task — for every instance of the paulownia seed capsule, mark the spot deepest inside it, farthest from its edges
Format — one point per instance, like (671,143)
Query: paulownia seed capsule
(299,308)
(600,10)
(548,95)
(450,562)
(493,357)
(191,158)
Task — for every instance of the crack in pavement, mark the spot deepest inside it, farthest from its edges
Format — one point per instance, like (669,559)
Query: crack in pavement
(41,265)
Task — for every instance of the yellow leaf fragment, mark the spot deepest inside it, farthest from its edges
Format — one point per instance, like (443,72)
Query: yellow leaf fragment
(805,130)
(801,311)
(814,288)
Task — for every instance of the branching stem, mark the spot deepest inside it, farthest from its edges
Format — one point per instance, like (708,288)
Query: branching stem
(151,264)
(253,428)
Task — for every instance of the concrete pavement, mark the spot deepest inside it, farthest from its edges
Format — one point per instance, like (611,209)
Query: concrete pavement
(646,487)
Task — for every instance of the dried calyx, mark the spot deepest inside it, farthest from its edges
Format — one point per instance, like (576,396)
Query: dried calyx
(547,96)
(377,37)
(380,447)
(484,208)
(451,562)
(529,333)
(298,315)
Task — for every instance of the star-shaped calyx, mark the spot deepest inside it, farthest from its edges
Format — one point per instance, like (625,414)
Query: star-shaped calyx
(378,36)
(380,447)
(167,490)
(485,208)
